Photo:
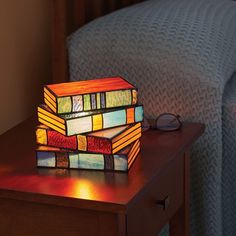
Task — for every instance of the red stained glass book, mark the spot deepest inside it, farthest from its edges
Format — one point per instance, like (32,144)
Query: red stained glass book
(59,158)
(108,141)
(89,95)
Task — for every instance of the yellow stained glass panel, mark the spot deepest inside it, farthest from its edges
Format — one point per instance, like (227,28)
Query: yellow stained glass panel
(42,121)
(127,138)
(41,136)
(49,94)
(48,119)
(49,103)
(82,143)
(97,122)
(50,100)
(126,143)
(51,115)
(132,159)
(124,133)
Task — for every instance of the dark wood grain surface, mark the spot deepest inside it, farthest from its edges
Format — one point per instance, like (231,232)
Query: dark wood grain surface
(96,190)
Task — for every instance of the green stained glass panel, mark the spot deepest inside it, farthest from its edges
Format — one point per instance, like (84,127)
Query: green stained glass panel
(64,105)
(87,103)
(118,98)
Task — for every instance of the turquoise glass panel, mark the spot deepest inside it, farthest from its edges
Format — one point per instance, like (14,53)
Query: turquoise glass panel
(46,159)
(114,118)
(91,161)
(120,163)
(138,114)
(74,160)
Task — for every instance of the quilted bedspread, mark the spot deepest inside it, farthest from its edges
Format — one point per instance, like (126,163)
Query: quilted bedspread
(181,54)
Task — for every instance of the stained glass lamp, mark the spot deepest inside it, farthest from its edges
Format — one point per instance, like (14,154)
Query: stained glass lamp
(93,124)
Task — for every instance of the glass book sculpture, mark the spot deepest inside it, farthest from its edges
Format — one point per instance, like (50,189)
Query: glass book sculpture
(94,124)
(59,158)
(107,141)
(89,95)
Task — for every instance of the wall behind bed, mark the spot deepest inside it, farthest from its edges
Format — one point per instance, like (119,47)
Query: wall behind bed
(24,59)
(69,15)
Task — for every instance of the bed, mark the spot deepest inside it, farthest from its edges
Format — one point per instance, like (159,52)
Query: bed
(181,54)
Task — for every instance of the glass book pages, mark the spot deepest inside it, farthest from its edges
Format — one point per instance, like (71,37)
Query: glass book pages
(89,95)
(59,158)
(83,122)
(107,141)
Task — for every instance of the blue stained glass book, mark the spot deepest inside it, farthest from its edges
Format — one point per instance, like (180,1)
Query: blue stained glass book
(60,158)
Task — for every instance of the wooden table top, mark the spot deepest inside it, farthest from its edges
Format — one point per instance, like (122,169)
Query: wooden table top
(21,179)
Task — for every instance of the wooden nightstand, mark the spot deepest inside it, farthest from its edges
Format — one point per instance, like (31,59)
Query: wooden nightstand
(62,202)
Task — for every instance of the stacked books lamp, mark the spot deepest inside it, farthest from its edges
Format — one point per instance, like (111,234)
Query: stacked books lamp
(94,124)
